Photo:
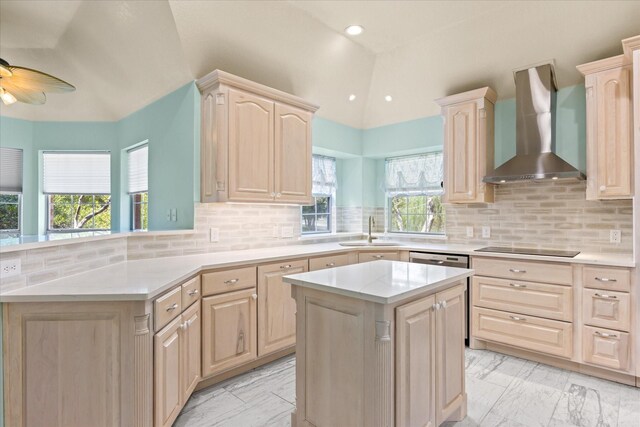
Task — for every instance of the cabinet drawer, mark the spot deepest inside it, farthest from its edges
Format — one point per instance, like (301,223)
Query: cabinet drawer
(375,256)
(528,332)
(604,347)
(190,292)
(167,307)
(606,309)
(613,279)
(559,274)
(331,261)
(535,299)
(218,282)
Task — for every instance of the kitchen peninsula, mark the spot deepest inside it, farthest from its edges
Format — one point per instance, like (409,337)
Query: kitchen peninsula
(380,344)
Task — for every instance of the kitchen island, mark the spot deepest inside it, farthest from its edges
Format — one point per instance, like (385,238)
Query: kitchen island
(380,344)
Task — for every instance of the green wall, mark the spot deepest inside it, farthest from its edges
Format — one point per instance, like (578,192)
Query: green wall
(172,127)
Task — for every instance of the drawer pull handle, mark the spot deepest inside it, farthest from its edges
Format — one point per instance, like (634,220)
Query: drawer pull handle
(172,307)
(605,296)
(193,292)
(378,256)
(517,318)
(605,279)
(254,296)
(515,270)
(440,262)
(605,335)
(331,264)
(285,267)
(231,281)
(517,285)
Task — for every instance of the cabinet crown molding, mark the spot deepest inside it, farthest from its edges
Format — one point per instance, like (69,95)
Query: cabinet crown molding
(629,45)
(217,77)
(471,95)
(603,65)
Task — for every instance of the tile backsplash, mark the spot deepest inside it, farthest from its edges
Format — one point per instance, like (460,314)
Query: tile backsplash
(544,214)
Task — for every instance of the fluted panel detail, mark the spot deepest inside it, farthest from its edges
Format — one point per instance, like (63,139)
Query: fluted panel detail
(383,391)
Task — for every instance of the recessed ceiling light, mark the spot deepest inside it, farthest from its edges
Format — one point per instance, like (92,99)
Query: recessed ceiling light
(388,98)
(354,30)
(352,97)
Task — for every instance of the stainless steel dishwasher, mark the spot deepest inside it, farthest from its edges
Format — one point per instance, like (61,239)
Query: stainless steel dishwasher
(447,260)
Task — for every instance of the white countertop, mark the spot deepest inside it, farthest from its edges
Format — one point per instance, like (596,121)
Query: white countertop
(146,279)
(382,281)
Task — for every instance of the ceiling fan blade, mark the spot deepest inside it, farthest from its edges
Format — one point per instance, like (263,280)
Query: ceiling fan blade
(38,81)
(23,95)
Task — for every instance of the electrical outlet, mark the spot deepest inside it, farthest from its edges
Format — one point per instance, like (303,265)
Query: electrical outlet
(10,267)
(174,215)
(214,235)
(615,236)
(287,231)
(486,232)
(469,231)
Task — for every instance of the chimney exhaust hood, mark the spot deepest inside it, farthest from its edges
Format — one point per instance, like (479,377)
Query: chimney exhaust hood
(535,131)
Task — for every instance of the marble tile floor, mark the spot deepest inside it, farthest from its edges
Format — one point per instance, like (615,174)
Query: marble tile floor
(502,391)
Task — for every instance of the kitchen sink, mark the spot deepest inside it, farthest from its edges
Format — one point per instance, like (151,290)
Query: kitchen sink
(365,243)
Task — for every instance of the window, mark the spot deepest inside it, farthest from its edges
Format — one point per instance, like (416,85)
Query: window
(138,159)
(317,218)
(10,191)
(413,188)
(78,190)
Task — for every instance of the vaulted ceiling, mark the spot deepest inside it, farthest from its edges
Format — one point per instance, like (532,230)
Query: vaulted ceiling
(122,55)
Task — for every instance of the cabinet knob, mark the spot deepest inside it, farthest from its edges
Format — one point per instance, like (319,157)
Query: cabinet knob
(273,195)
(443,304)
(603,188)
(278,194)
(436,306)
(254,296)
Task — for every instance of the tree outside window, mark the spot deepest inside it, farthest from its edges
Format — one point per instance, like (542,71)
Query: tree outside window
(416,214)
(69,212)
(316,218)
(9,214)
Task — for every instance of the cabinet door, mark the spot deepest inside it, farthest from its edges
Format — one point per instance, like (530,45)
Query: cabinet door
(614,150)
(190,350)
(229,330)
(415,363)
(250,147)
(276,308)
(606,348)
(460,152)
(292,155)
(450,392)
(167,387)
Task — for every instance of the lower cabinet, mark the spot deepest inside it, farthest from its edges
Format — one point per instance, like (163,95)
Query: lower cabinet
(276,307)
(176,365)
(430,359)
(229,332)
(375,256)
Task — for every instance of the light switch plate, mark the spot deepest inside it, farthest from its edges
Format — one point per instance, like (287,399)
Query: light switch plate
(214,235)
(469,231)
(486,232)
(10,267)
(615,236)
(287,231)
(174,215)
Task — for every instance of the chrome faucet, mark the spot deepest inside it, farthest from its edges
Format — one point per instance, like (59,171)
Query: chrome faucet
(372,223)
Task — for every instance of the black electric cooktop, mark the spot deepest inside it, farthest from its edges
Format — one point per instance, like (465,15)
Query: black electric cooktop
(529,251)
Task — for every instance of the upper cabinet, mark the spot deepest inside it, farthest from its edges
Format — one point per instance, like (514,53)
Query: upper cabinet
(609,128)
(255,142)
(468,145)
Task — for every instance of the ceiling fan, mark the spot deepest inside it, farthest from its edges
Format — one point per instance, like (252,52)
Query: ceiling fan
(27,85)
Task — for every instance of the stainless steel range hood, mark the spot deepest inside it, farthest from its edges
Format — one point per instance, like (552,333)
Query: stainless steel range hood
(535,131)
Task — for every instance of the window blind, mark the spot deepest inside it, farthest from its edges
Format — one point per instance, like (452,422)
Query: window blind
(324,175)
(77,172)
(139,169)
(414,175)
(10,170)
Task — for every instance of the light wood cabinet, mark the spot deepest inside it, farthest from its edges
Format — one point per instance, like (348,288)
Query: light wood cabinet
(375,256)
(430,384)
(255,142)
(531,271)
(229,330)
(468,145)
(168,390)
(606,348)
(276,307)
(331,261)
(292,154)
(167,308)
(191,350)
(234,279)
(610,164)
(606,309)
